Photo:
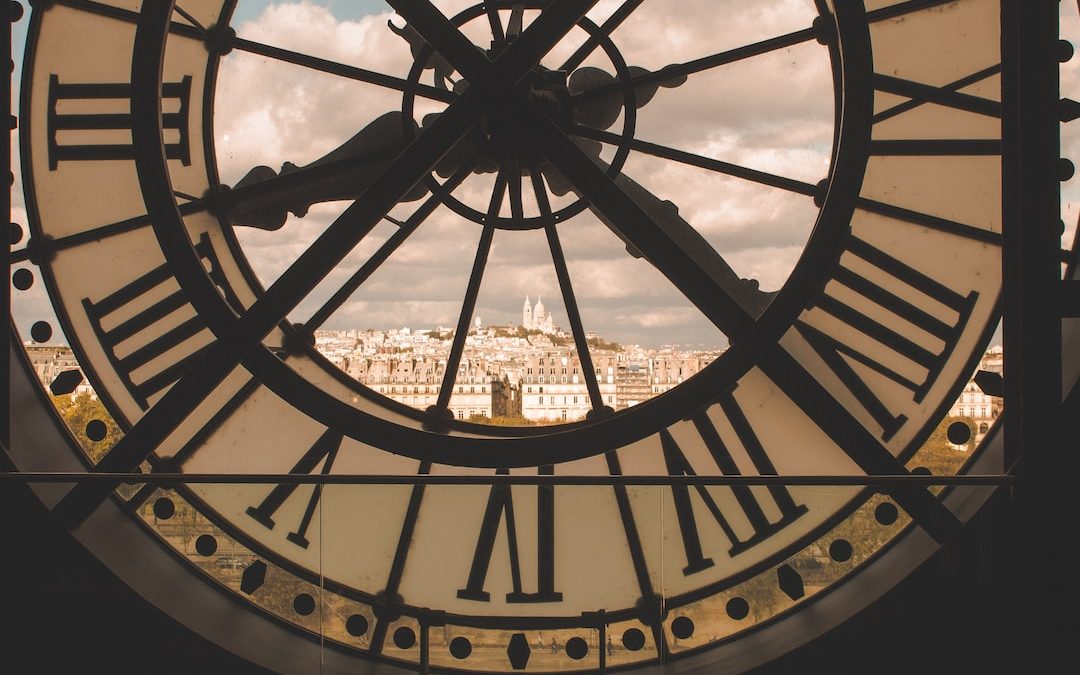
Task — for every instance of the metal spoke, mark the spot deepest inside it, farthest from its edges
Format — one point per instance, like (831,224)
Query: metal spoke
(182,12)
(385,251)
(565,285)
(95,234)
(613,22)
(514,63)
(361,217)
(102,9)
(517,209)
(902,8)
(401,554)
(517,17)
(678,70)
(224,413)
(691,159)
(928,220)
(341,69)
(468,305)
(498,37)
(634,225)
(277,53)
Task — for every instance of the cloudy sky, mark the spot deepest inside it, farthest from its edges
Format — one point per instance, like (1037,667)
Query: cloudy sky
(772,113)
(725,113)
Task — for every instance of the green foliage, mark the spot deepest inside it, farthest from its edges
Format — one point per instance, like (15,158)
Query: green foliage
(599,343)
(279,591)
(503,420)
(80,411)
(940,456)
(525,333)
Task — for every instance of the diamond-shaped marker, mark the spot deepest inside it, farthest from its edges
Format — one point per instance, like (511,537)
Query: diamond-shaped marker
(518,651)
(790,581)
(990,383)
(66,382)
(253,578)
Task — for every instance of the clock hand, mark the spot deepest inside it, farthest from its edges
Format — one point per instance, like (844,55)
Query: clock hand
(598,96)
(443,68)
(268,205)
(263,199)
(596,112)
(517,19)
(666,216)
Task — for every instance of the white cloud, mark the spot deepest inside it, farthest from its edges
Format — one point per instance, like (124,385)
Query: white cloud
(772,113)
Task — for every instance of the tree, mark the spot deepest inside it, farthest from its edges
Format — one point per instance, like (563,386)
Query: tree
(503,420)
(601,344)
(939,455)
(79,413)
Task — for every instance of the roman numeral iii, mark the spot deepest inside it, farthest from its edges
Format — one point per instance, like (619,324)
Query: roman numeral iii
(79,130)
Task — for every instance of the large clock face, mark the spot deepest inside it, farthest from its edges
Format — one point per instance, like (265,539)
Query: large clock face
(520,119)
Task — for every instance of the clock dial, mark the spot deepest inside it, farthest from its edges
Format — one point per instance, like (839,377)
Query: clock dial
(516,119)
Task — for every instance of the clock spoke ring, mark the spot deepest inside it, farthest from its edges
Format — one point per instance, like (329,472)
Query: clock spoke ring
(494,144)
(395,427)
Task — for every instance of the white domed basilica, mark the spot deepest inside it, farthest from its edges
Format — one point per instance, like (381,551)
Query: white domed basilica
(536,317)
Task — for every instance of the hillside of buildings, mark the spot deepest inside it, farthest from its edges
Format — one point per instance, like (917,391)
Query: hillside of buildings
(517,374)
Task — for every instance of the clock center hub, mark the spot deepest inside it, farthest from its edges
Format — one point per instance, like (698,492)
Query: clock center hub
(503,141)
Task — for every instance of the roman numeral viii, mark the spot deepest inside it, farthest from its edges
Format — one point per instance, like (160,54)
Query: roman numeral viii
(500,508)
(759,513)
(890,320)
(146,320)
(93,121)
